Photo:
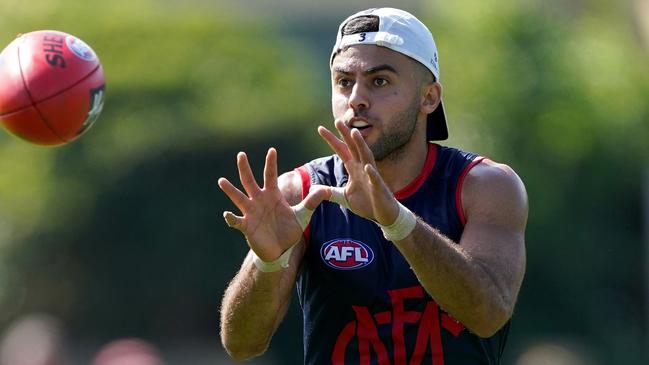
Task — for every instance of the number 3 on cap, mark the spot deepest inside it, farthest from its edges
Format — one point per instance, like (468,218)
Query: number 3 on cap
(362,35)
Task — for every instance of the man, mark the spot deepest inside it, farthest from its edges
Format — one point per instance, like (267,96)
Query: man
(404,251)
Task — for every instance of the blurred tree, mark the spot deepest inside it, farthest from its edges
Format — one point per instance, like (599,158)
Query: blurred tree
(120,232)
(558,90)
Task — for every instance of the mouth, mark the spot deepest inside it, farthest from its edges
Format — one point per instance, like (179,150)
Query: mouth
(360,124)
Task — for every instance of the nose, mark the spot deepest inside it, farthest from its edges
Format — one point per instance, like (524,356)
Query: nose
(359,98)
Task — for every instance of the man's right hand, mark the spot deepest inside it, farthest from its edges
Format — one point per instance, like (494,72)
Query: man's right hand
(268,222)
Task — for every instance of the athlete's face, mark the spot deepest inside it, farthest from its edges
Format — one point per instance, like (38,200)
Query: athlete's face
(377,91)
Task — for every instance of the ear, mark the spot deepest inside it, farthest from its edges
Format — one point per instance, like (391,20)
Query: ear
(431,95)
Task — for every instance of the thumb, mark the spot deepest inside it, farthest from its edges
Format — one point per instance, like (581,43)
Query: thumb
(317,193)
(304,210)
(232,220)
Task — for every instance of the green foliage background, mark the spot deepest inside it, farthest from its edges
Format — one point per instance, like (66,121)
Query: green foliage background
(120,234)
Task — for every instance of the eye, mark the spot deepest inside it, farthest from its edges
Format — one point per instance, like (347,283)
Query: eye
(379,81)
(343,82)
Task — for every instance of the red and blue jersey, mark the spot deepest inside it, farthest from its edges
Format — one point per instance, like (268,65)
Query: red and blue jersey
(361,302)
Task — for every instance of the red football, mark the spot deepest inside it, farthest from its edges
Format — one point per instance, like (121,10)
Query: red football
(51,87)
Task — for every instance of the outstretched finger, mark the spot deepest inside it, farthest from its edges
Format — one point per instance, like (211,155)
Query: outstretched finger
(362,149)
(345,132)
(376,181)
(246,175)
(384,205)
(270,169)
(233,221)
(338,146)
(238,198)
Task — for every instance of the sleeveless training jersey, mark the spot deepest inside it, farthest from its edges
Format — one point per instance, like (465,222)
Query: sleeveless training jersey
(361,302)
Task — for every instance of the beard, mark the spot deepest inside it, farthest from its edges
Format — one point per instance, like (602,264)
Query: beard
(396,135)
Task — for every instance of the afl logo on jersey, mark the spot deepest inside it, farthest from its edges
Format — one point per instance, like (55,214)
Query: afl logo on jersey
(346,254)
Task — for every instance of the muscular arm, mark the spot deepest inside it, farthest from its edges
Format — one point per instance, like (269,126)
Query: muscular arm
(255,302)
(254,305)
(477,281)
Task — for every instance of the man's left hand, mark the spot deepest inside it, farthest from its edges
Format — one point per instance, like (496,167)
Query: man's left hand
(366,193)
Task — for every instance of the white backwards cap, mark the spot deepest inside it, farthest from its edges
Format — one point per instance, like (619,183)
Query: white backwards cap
(401,32)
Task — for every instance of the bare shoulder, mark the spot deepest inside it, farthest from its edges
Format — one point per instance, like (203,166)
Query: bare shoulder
(290,184)
(493,190)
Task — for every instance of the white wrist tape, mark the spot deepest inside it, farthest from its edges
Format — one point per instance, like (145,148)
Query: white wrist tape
(402,226)
(280,263)
(302,214)
(338,196)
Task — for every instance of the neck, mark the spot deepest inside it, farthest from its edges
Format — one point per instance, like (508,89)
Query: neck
(403,165)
